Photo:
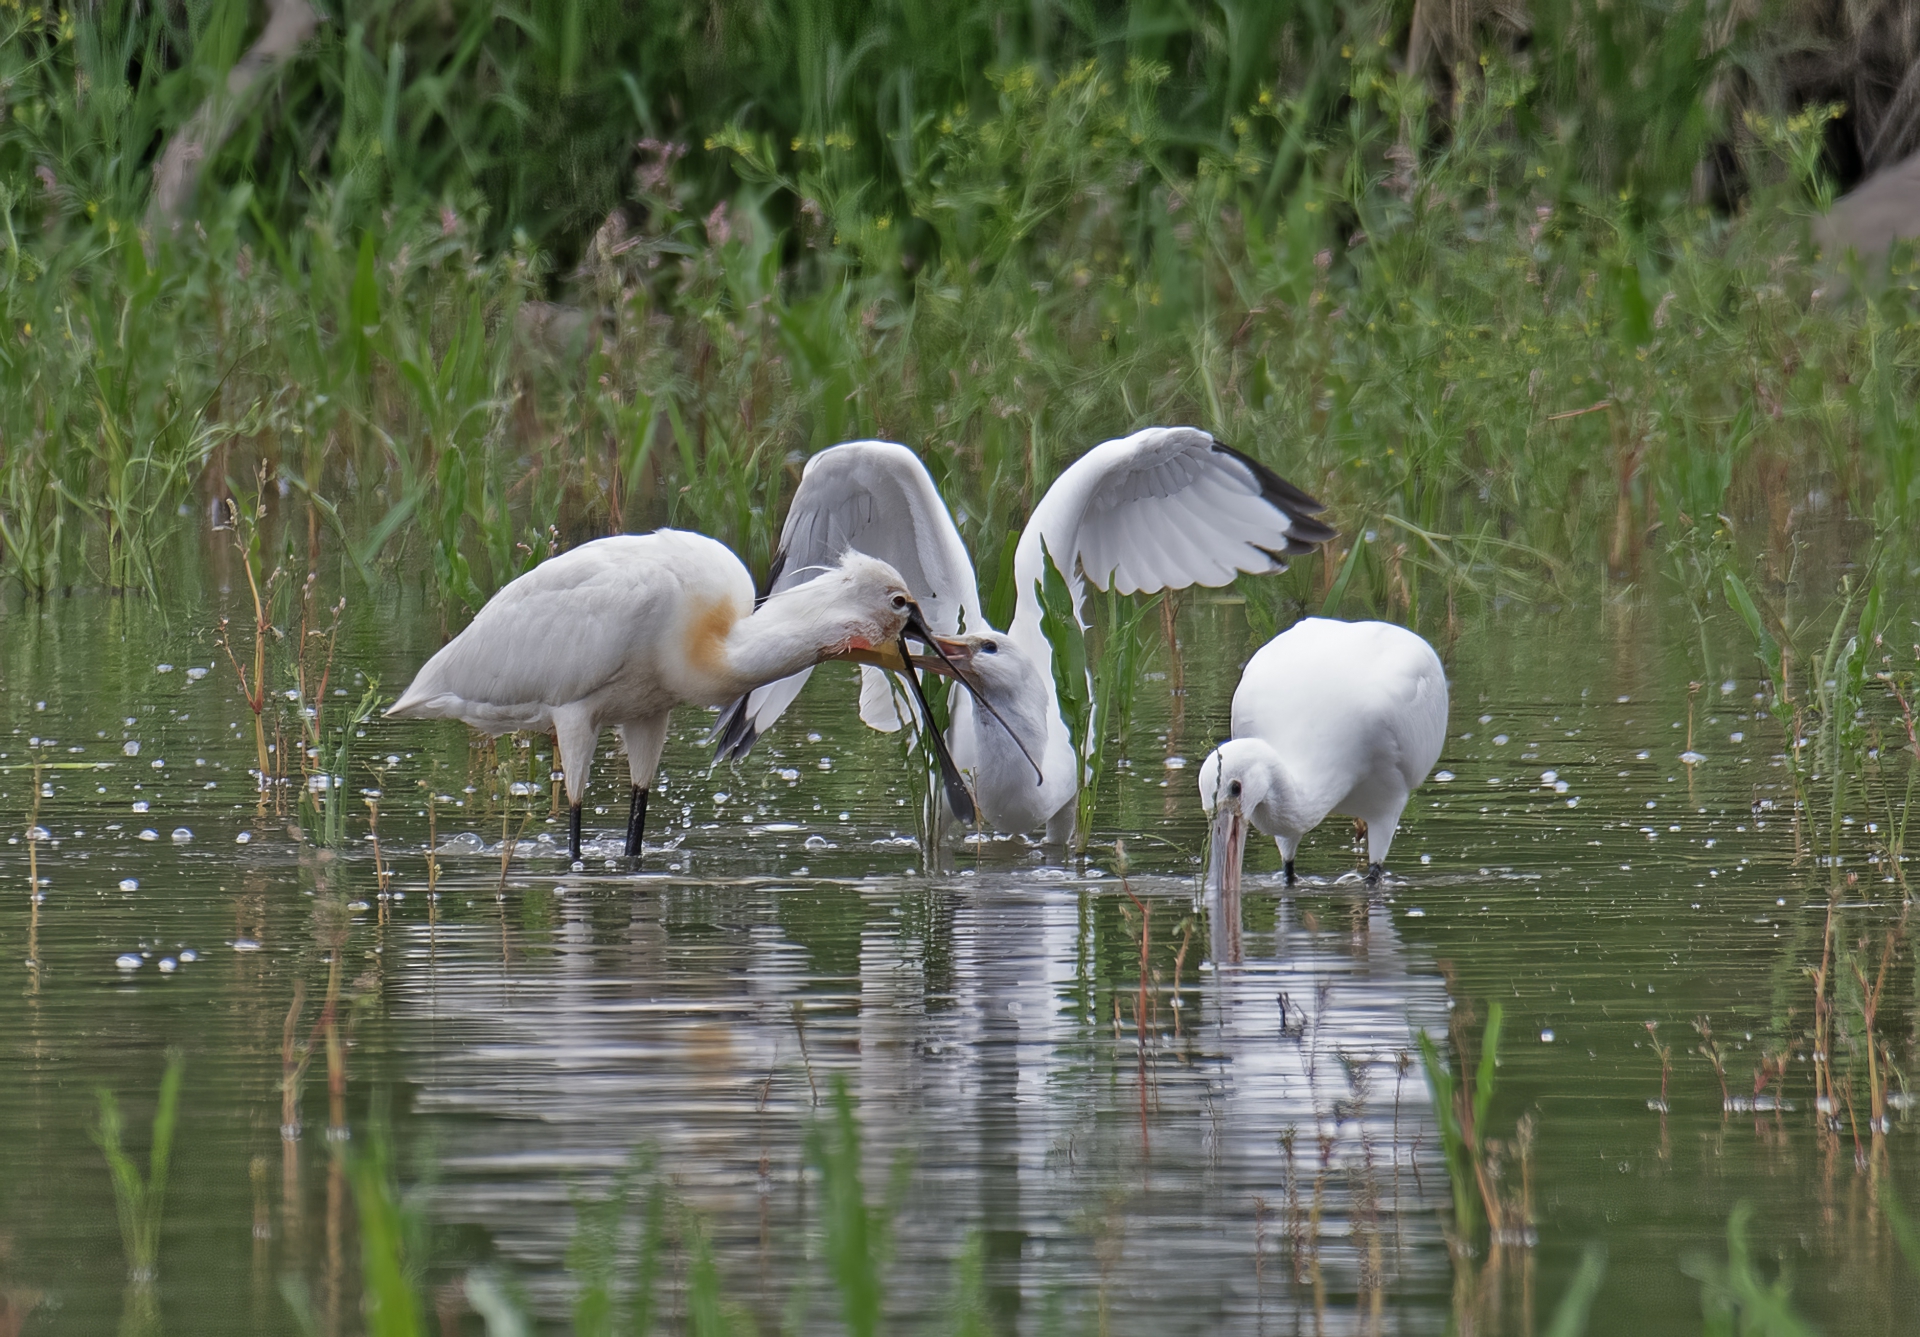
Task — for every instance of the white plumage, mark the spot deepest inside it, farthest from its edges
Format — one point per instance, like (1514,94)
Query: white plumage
(621,630)
(1164,508)
(1329,717)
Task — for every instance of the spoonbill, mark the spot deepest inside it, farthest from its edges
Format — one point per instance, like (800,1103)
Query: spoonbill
(1164,508)
(1329,716)
(621,630)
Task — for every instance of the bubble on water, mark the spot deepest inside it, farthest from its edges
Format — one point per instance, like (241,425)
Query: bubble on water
(813,738)
(1642,756)
(1442,776)
(129,884)
(243,838)
(196,674)
(1737,736)
(818,843)
(1574,802)
(188,955)
(140,806)
(825,763)
(1546,1037)
(149,834)
(163,668)
(245,945)
(1622,700)
(1548,777)
(1176,763)
(1416,913)
(1486,719)
(1692,758)
(788,774)
(131,747)
(1729,687)
(159,763)
(1561,786)
(39,833)
(127,961)
(358,907)
(168,965)
(181,835)
(1426,858)
(1499,740)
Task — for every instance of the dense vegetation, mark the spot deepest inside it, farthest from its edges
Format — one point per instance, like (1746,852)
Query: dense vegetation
(460,282)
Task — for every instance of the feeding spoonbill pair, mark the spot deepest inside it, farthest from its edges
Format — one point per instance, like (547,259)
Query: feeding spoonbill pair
(621,630)
(618,631)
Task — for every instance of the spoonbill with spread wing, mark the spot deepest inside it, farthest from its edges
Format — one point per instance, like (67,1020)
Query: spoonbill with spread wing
(1329,717)
(621,630)
(1165,508)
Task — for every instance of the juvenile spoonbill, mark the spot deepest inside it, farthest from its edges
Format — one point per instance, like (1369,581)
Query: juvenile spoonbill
(1329,716)
(1165,508)
(621,630)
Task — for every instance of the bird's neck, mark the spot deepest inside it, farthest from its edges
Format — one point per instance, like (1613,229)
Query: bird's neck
(778,639)
(1295,803)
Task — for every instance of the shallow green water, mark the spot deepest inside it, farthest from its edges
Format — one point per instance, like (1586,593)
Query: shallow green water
(523,1038)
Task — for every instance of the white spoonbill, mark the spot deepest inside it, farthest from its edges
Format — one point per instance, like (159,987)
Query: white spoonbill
(1162,509)
(1329,716)
(621,630)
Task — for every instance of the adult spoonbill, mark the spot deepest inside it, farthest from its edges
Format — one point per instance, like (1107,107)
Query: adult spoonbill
(1165,508)
(1329,716)
(621,630)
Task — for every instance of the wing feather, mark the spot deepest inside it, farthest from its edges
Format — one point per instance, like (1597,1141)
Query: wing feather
(1166,508)
(874,497)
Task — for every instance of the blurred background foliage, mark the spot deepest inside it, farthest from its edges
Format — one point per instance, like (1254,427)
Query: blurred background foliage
(465,280)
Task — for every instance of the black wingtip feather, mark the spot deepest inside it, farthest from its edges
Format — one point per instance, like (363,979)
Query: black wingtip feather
(1304,533)
(734,736)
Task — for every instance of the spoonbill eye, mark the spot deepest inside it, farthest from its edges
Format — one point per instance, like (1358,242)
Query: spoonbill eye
(1233,789)
(899,601)
(989,647)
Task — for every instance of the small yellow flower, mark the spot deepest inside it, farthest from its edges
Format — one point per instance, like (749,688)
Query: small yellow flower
(1346,53)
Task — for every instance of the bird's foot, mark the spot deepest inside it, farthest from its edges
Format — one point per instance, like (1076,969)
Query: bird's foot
(1376,874)
(1287,873)
(573,837)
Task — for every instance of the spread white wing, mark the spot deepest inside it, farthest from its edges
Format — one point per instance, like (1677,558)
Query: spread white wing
(877,498)
(1163,509)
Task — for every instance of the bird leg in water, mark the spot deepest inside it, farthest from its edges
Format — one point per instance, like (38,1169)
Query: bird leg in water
(1287,872)
(573,834)
(1376,873)
(636,822)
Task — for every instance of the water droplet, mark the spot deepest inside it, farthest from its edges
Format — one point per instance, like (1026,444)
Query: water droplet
(149,834)
(168,965)
(1546,1037)
(1442,777)
(163,668)
(127,961)
(1692,758)
(196,674)
(189,956)
(243,838)
(1548,777)
(1499,740)
(129,884)
(159,763)
(131,747)
(1176,763)
(245,945)
(141,806)
(1416,913)
(1426,858)
(181,835)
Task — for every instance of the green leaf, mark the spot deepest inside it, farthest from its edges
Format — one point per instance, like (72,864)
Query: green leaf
(1570,1317)
(1331,608)
(1485,1078)
(1060,624)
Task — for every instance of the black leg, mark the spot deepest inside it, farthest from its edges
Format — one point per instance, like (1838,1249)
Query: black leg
(573,834)
(1289,872)
(1375,872)
(636,822)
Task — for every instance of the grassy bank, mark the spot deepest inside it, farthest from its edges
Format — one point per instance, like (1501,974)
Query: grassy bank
(1498,346)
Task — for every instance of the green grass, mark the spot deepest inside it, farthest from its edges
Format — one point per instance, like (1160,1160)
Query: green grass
(1403,310)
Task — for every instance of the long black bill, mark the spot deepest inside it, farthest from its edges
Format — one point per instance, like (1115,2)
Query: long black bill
(957,793)
(918,627)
